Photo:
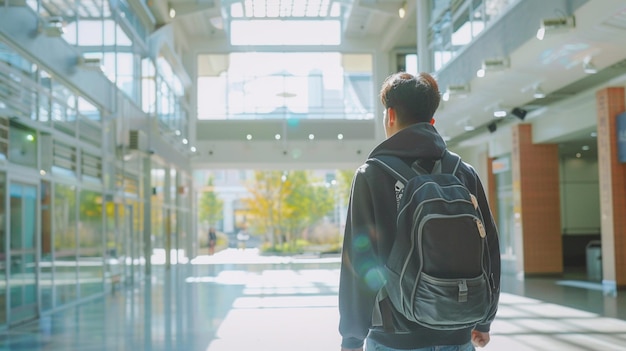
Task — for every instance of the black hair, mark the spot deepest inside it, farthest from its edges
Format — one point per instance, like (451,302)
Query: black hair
(414,98)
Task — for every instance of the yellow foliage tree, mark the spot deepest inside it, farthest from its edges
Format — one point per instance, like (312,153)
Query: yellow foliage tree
(211,207)
(285,204)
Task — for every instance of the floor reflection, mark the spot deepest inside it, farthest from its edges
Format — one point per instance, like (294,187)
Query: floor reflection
(240,300)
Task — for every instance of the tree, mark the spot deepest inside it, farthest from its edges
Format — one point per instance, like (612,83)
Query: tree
(265,204)
(345,184)
(309,201)
(210,207)
(286,204)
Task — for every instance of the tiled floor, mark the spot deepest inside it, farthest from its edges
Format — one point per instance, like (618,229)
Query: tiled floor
(237,300)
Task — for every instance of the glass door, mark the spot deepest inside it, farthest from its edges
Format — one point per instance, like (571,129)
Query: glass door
(3,250)
(22,260)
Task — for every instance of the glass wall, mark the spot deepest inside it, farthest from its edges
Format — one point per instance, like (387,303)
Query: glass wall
(46,252)
(45,128)
(455,24)
(285,85)
(158,201)
(22,264)
(90,241)
(170,213)
(54,134)
(3,250)
(28,91)
(110,35)
(170,94)
(65,224)
(148,86)
(22,145)
(124,242)
(103,30)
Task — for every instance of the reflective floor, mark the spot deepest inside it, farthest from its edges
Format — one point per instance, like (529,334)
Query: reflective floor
(238,300)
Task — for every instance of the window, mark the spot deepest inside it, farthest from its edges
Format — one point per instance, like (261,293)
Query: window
(327,85)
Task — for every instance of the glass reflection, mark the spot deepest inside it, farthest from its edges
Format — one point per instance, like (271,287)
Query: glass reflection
(65,250)
(46,279)
(22,257)
(90,232)
(3,247)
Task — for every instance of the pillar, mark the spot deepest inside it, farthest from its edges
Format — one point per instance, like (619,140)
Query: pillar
(537,207)
(610,103)
(424,61)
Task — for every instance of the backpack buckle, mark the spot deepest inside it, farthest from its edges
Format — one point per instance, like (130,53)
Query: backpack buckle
(462,291)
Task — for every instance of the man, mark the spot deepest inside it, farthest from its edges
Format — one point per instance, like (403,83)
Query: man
(212,240)
(410,103)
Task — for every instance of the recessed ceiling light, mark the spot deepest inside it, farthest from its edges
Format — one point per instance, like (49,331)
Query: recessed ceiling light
(249,137)
(589,67)
(499,113)
(539,93)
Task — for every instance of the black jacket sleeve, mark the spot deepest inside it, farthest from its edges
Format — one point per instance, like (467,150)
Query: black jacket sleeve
(361,274)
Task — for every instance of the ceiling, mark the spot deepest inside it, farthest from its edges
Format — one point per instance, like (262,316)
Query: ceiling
(364,19)
(554,63)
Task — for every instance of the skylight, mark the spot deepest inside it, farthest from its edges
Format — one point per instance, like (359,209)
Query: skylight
(285,22)
(285,9)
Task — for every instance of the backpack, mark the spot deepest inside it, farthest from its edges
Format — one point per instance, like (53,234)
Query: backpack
(438,271)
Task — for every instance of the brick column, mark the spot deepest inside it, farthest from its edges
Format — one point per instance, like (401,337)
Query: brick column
(610,103)
(537,207)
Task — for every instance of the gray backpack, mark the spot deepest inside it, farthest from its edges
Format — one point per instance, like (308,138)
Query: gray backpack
(438,273)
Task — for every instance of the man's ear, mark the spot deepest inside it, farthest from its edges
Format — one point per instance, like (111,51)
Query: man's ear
(391,117)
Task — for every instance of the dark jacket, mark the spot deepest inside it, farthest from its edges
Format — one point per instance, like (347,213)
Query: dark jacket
(369,235)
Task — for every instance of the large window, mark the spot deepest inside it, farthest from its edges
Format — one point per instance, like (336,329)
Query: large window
(285,85)
(109,40)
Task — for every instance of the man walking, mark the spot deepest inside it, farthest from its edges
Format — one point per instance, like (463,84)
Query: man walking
(410,103)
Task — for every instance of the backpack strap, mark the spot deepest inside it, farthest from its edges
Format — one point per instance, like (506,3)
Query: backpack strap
(450,162)
(394,166)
